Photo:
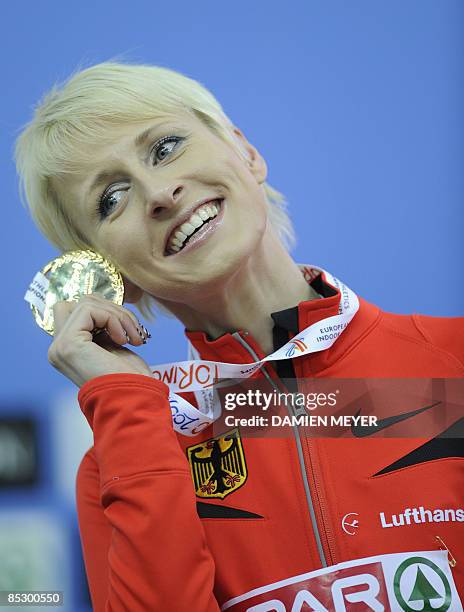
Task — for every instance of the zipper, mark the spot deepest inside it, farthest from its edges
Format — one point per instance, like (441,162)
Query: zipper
(300,451)
(313,462)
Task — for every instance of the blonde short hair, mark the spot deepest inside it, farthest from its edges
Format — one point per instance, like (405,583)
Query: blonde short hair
(80,111)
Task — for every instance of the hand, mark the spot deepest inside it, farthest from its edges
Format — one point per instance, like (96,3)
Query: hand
(81,355)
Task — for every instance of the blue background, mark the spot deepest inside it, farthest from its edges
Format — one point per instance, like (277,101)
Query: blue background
(357,108)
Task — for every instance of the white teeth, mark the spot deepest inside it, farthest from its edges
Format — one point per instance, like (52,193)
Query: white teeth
(187,228)
(196,220)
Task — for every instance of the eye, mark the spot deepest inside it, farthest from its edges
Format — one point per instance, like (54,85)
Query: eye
(164,147)
(110,199)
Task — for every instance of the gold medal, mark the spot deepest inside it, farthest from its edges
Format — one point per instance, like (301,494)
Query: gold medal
(67,278)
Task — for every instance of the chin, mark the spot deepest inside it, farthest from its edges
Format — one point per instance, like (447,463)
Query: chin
(214,272)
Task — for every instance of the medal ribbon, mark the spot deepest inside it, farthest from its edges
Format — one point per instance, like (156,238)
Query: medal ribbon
(198,375)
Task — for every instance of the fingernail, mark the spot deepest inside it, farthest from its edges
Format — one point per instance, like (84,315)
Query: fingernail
(127,336)
(146,332)
(142,336)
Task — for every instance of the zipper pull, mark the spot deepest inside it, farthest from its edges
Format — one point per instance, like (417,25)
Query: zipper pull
(442,546)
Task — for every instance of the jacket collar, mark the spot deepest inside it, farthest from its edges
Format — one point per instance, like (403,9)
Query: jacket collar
(238,347)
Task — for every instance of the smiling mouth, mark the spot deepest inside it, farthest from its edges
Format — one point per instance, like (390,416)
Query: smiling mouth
(200,217)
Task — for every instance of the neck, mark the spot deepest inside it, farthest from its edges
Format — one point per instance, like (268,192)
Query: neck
(268,281)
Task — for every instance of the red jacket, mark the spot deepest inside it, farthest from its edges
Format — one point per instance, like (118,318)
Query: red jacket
(147,549)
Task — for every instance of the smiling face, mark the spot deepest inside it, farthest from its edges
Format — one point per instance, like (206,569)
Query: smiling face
(175,208)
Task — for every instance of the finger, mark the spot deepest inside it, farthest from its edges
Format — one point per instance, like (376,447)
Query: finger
(132,324)
(61,312)
(120,325)
(136,331)
(104,340)
(88,316)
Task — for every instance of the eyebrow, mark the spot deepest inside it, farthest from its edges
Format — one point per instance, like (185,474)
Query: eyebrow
(142,138)
(139,141)
(102,177)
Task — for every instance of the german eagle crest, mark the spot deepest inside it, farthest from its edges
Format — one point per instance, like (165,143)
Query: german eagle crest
(218,465)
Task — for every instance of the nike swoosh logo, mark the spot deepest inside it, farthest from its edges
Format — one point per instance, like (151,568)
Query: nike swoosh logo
(447,445)
(362,431)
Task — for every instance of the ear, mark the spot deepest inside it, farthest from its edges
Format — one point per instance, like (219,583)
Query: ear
(254,161)
(132,293)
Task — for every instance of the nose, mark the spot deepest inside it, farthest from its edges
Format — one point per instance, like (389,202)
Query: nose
(164,198)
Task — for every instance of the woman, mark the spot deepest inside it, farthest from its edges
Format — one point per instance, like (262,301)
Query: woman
(140,164)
